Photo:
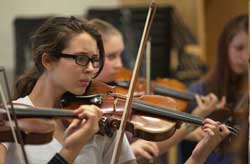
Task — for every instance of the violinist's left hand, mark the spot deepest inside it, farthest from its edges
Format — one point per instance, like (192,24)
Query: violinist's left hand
(214,134)
(80,131)
(207,104)
(195,135)
(145,149)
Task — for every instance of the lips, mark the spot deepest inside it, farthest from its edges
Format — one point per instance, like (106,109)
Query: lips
(84,82)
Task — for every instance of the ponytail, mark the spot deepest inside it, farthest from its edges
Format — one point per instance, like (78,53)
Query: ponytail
(26,82)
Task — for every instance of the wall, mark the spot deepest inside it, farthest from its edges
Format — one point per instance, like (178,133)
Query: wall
(186,8)
(217,13)
(10,9)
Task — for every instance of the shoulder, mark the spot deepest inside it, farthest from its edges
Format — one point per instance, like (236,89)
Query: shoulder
(23,100)
(198,87)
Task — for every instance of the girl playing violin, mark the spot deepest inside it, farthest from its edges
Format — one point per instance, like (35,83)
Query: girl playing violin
(227,78)
(67,54)
(114,46)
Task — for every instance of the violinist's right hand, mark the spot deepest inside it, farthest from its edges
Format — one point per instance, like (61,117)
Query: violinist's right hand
(79,132)
(208,104)
(145,149)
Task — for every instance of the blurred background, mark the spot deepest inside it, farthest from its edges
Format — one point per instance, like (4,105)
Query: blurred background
(186,27)
(183,37)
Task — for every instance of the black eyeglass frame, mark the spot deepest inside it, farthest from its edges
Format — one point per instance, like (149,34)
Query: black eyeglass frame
(76,57)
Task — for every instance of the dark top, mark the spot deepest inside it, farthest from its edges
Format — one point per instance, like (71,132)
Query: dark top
(186,147)
(57,159)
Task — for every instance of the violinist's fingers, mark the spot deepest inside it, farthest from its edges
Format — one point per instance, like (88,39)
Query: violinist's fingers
(214,128)
(208,131)
(142,152)
(198,100)
(214,134)
(221,104)
(91,109)
(212,97)
(196,135)
(75,123)
(92,114)
(209,121)
(224,131)
(145,154)
(146,149)
(203,101)
(218,133)
(73,126)
(152,148)
(78,110)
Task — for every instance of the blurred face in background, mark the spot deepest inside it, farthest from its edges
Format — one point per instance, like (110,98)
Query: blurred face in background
(238,53)
(113,47)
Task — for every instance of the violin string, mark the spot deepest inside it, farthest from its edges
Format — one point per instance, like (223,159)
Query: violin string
(10,122)
(186,117)
(234,131)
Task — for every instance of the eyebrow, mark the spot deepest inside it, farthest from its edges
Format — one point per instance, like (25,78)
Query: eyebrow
(113,53)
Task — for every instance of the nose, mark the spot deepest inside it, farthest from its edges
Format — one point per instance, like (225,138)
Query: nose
(118,63)
(89,68)
(245,56)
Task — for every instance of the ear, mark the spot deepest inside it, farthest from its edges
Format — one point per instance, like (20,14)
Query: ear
(48,61)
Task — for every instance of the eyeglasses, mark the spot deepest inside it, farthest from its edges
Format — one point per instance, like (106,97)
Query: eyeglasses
(83,59)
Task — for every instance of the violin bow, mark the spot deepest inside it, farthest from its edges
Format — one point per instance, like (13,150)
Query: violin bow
(248,60)
(16,133)
(128,104)
(148,66)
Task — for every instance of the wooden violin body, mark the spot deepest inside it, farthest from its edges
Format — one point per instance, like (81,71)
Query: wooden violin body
(172,88)
(153,118)
(160,86)
(33,130)
(140,124)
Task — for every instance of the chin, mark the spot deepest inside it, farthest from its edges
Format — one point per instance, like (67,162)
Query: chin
(240,70)
(111,77)
(78,91)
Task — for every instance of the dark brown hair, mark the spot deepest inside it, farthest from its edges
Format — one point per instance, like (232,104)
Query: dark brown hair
(221,80)
(52,38)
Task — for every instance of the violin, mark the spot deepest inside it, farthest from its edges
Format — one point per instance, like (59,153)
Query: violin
(168,87)
(160,86)
(41,133)
(33,131)
(153,117)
